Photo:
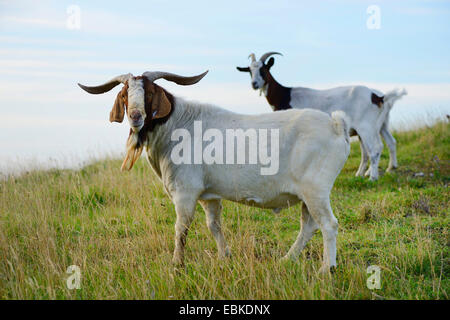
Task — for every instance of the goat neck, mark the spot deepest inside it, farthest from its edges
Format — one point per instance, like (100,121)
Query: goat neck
(278,96)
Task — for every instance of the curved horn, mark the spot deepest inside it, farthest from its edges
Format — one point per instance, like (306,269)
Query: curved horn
(184,81)
(108,85)
(268,54)
(252,55)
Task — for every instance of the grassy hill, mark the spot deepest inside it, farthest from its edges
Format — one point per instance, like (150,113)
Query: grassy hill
(119,229)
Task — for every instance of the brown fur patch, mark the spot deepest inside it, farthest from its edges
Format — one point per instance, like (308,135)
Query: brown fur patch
(150,105)
(377,100)
(278,96)
(118,111)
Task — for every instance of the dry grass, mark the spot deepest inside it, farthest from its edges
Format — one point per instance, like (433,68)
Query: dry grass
(119,228)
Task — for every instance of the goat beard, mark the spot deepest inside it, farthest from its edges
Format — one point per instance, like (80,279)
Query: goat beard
(134,151)
(263,89)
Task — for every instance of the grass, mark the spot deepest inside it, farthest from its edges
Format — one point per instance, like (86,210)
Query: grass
(119,229)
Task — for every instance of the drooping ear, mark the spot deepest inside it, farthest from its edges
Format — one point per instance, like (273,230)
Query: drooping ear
(270,63)
(161,105)
(118,111)
(247,69)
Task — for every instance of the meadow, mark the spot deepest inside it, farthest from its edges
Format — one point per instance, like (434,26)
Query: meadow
(118,227)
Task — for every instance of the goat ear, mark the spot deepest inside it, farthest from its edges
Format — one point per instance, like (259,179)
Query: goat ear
(161,105)
(118,111)
(243,69)
(270,62)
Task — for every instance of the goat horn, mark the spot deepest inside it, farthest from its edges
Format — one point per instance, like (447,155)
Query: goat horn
(252,55)
(108,85)
(184,81)
(268,54)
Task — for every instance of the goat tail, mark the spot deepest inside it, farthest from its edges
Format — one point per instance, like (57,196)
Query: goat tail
(392,96)
(341,124)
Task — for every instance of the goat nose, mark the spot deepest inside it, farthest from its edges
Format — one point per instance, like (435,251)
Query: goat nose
(254,84)
(135,115)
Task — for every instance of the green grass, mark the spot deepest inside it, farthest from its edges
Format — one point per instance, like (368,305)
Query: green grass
(119,229)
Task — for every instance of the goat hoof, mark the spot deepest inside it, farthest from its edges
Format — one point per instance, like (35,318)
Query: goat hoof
(177,262)
(327,270)
(286,259)
(225,255)
(277,210)
(390,169)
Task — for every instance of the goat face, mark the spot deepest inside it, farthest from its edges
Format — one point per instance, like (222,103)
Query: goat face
(259,72)
(142,101)
(256,72)
(135,103)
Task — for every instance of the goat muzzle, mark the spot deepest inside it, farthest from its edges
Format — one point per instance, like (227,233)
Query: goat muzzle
(136,120)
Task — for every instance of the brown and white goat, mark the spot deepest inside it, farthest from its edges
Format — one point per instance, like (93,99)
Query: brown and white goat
(312,148)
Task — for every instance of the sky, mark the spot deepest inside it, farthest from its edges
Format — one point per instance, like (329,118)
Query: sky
(47,47)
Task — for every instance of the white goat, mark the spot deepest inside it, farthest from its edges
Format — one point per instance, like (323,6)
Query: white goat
(313,147)
(367,109)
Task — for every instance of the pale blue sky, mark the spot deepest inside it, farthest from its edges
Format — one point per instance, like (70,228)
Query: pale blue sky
(326,43)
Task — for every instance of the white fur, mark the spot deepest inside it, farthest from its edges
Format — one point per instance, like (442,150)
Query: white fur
(313,149)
